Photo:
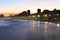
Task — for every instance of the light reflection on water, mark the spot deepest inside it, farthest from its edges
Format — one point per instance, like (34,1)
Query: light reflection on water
(14,29)
(58,24)
(45,31)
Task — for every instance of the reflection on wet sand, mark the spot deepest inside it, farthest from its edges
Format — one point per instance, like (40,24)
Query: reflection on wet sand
(44,31)
(12,29)
(58,24)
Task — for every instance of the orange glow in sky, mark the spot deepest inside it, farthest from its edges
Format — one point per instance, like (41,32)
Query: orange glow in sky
(17,6)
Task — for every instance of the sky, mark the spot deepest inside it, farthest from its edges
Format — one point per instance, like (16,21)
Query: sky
(16,6)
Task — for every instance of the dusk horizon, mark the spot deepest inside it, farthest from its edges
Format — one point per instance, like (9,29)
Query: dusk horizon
(29,19)
(17,6)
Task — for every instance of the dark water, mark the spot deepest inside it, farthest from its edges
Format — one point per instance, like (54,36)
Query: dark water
(15,29)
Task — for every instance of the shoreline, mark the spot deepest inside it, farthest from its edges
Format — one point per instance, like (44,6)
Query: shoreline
(49,20)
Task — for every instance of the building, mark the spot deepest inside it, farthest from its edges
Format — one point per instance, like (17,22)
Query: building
(38,11)
(28,12)
(24,13)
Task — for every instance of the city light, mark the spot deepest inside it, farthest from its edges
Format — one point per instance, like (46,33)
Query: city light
(46,22)
(57,14)
(45,15)
(49,15)
(29,16)
(38,15)
(50,23)
(33,16)
(58,25)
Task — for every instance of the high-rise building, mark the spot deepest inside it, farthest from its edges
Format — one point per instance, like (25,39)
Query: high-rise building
(28,12)
(38,11)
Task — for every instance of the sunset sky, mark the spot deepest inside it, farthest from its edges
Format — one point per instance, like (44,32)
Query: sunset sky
(16,6)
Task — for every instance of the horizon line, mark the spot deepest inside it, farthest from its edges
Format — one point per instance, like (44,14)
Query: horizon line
(30,10)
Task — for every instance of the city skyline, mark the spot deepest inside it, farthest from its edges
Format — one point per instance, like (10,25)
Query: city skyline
(17,6)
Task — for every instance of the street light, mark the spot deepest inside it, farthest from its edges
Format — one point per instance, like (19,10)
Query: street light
(58,25)
(38,15)
(33,16)
(49,15)
(57,14)
(29,16)
(45,15)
